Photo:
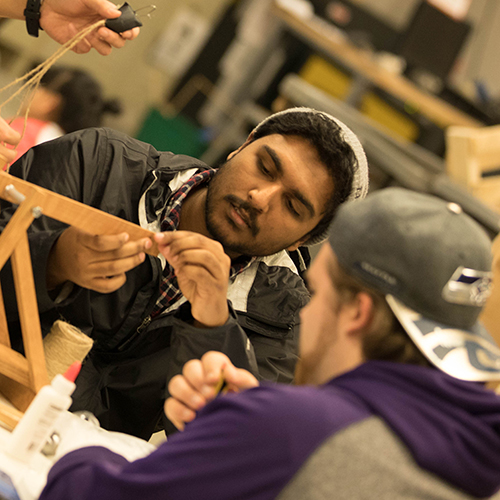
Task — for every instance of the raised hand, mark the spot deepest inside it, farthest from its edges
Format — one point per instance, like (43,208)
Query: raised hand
(7,136)
(63,19)
(202,271)
(197,385)
(95,262)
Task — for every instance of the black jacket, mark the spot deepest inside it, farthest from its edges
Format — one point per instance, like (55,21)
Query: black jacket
(124,378)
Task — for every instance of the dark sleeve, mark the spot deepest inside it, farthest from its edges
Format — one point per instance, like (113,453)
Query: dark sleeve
(272,321)
(40,246)
(269,353)
(57,166)
(189,342)
(99,167)
(276,355)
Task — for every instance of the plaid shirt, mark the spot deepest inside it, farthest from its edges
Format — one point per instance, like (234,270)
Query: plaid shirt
(169,288)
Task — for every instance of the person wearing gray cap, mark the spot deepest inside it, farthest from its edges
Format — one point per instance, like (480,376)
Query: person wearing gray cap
(223,280)
(389,401)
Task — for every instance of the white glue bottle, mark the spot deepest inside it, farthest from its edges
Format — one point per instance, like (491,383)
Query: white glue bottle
(38,422)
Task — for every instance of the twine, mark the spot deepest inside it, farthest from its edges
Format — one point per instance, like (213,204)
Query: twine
(34,76)
(64,345)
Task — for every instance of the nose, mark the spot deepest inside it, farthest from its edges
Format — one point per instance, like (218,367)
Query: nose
(261,198)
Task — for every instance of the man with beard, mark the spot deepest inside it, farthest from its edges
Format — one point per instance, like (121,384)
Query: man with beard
(223,280)
(392,353)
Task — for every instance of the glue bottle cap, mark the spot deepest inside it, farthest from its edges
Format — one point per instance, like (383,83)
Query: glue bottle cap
(73,371)
(65,384)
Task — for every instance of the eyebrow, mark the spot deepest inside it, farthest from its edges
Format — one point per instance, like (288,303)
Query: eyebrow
(295,192)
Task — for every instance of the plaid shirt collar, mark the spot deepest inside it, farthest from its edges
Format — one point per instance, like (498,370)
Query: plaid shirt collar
(169,292)
(171,215)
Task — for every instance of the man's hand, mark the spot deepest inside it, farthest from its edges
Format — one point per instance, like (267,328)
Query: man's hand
(63,19)
(202,271)
(95,262)
(196,387)
(10,136)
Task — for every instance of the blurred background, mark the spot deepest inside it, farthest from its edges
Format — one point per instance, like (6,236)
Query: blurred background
(202,73)
(144,74)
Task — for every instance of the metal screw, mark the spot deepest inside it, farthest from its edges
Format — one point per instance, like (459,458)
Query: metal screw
(36,212)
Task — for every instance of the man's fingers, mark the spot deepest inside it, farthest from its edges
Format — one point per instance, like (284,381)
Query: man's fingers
(183,390)
(182,247)
(216,363)
(131,34)
(179,241)
(117,266)
(83,47)
(117,243)
(198,383)
(198,280)
(178,413)
(185,399)
(111,38)
(204,260)
(239,379)
(116,40)
(102,47)
(104,8)
(103,243)
(8,134)
(202,375)
(193,373)
(6,155)
(95,262)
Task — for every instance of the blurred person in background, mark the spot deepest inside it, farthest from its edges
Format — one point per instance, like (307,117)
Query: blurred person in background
(67,100)
(62,20)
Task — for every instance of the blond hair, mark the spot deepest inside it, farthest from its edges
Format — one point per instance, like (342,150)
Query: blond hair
(384,338)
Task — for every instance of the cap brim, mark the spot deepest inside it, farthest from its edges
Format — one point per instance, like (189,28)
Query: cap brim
(464,354)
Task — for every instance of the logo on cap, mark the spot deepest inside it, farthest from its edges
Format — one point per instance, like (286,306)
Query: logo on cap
(468,287)
(378,273)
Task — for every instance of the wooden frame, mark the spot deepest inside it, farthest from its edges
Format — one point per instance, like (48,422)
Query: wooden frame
(470,153)
(21,377)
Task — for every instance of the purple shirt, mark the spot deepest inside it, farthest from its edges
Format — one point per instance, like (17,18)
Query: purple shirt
(249,446)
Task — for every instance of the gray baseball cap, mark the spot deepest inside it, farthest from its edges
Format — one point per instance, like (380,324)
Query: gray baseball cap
(433,263)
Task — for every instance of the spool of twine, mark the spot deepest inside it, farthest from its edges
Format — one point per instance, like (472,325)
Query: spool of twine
(64,345)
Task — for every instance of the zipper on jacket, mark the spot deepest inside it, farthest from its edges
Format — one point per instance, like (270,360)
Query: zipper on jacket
(144,324)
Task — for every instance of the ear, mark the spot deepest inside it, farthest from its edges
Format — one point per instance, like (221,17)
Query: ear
(360,314)
(244,145)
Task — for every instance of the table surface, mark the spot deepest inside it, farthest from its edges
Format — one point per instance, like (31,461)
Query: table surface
(326,38)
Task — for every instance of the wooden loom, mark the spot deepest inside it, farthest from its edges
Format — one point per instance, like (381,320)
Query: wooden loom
(21,377)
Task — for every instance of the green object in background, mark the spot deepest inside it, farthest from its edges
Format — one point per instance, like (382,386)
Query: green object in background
(172,133)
